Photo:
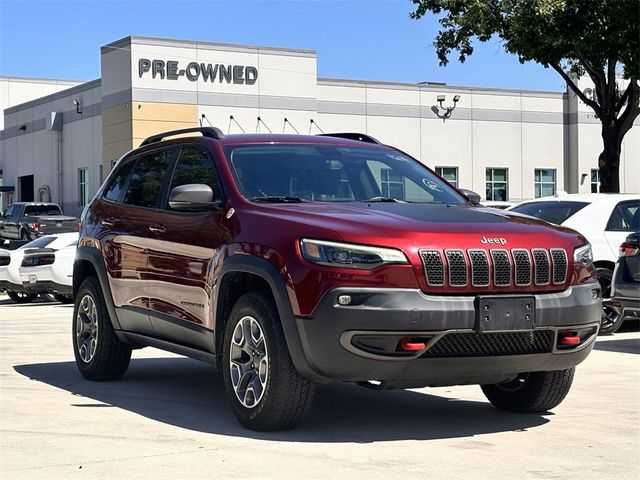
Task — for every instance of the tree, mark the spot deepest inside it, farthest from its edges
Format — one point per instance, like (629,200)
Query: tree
(598,37)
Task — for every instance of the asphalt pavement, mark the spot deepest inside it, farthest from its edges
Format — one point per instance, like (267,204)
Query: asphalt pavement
(168,418)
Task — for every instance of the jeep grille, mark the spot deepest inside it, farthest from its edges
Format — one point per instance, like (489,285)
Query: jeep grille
(497,268)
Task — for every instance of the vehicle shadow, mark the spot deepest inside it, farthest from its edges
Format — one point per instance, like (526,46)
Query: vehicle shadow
(11,303)
(189,394)
(623,345)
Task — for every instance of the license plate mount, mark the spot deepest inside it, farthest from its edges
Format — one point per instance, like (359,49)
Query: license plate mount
(505,313)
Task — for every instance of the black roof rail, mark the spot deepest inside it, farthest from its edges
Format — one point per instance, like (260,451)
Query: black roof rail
(361,137)
(210,132)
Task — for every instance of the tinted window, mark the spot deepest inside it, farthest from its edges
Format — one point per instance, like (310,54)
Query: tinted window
(335,174)
(145,184)
(118,183)
(553,212)
(196,166)
(37,210)
(39,243)
(625,217)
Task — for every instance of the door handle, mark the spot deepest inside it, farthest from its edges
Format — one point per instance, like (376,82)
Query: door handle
(108,222)
(157,228)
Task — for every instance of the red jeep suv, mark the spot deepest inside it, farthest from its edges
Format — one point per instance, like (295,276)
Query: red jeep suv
(293,260)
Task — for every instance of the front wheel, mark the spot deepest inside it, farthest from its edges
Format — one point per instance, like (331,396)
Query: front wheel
(265,390)
(531,392)
(22,297)
(611,317)
(99,354)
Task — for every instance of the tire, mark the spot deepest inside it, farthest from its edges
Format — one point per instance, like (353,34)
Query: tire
(24,236)
(531,392)
(59,297)
(100,356)
(282,396)
(611,319)
(22,297)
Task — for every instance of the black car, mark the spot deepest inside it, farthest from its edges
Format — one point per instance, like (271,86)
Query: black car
(625,286)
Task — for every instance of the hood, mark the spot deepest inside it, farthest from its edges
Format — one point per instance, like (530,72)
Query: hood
(425,225)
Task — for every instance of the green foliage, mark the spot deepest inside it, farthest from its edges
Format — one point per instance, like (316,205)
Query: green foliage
(598,37)
(550,32)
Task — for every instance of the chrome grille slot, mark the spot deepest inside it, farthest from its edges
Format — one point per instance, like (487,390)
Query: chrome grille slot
(541,264)
(457,266)
(501,268)
(559,263)
(479,268)
(522,263)
(433,267)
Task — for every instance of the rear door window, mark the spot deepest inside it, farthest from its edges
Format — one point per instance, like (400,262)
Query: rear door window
(118,183)
(148,179)
(625,217)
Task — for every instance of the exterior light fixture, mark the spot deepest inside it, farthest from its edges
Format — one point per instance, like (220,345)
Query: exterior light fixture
(445,112)
(78,105)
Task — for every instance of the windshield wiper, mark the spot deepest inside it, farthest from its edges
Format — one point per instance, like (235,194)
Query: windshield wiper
(383,199)
(277,199)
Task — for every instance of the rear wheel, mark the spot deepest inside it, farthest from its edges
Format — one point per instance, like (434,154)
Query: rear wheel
(611,318)
(22,297)
(265,390)
(531,392)
(98,352)
(24,236)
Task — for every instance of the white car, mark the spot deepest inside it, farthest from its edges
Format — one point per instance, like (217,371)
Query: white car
(499,204)
(11,261)
(604,219)
(45,270)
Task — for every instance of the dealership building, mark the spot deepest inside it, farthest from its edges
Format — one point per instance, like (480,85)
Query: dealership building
(59,139)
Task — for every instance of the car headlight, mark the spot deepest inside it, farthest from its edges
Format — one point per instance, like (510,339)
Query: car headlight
(583,255)
(348,255)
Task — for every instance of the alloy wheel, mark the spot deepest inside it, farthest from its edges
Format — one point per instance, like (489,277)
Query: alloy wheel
(87,328)
(248,362)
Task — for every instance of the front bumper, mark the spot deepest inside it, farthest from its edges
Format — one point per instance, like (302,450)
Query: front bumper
(327,339)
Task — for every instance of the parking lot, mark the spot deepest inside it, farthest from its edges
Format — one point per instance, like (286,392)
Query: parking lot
(168,418)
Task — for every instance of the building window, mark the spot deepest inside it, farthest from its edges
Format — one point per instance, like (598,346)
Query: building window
(595,180)
(544,183)
(83,186)
(450,174)
(497,184)
(392,184)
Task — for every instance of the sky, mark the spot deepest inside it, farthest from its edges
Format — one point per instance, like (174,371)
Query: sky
(353,39)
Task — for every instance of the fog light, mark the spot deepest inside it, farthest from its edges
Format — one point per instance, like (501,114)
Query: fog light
(344,299)
(595,293)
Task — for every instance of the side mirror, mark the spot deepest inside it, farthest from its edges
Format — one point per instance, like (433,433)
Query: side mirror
(471,195)
(193,196)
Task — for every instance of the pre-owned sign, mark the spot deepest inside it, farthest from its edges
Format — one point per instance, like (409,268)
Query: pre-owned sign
(208,72)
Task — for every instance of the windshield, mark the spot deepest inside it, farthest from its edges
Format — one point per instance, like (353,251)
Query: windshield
(552,212)
(276,172)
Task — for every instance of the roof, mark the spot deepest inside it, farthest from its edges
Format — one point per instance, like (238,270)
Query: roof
(587,197)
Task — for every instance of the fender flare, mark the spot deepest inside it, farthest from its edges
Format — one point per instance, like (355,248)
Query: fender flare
(93,256)
(269,273)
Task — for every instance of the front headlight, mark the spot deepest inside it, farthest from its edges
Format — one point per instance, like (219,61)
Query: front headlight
(348,255)
(583,255)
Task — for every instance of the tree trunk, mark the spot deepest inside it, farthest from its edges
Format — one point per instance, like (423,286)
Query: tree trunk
(609,159)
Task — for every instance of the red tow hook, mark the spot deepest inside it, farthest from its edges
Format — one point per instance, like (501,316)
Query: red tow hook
(407,345)
(570,340)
